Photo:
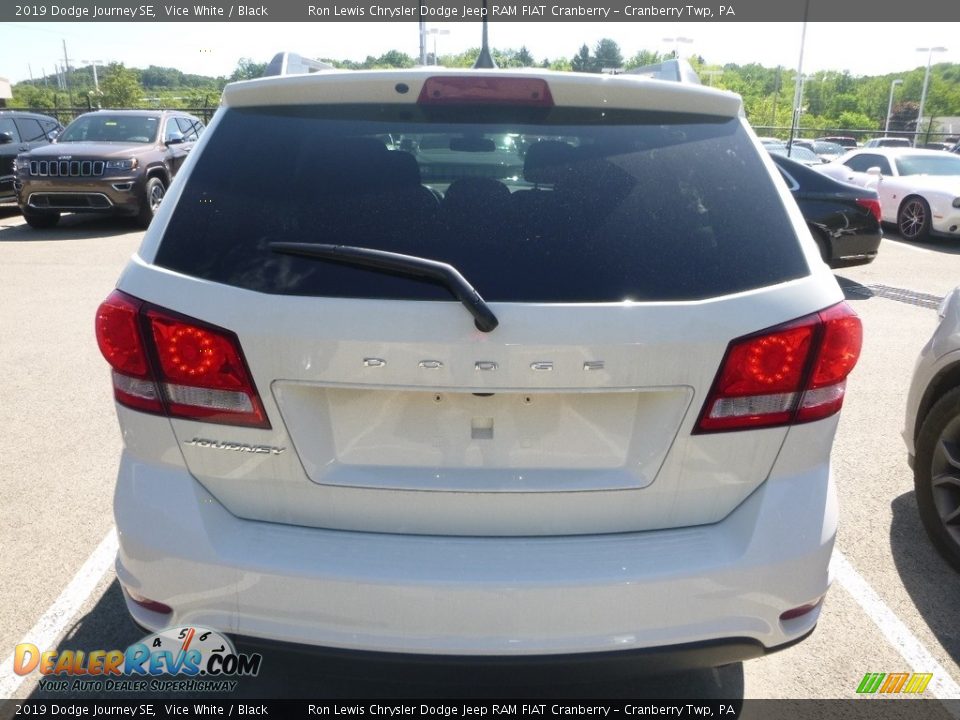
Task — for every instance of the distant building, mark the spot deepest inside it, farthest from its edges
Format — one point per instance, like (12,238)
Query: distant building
(947,125)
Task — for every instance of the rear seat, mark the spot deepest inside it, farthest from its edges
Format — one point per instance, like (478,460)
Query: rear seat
(538,212)
(478,210)
(366,194)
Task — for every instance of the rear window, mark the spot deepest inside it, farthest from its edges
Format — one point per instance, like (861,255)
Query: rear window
(560,205)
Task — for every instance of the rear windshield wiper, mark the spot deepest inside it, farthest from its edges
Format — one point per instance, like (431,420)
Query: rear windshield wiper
(409,265)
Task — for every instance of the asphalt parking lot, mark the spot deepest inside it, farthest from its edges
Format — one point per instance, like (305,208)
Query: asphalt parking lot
(892,608)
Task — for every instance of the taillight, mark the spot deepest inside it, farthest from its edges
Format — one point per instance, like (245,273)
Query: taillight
(484,89)
(174,365)
(789,374)
(120,341)
(871,204)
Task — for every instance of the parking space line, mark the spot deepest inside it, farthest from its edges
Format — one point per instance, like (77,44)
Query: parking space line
(908,246)
(897,633)
(52,623)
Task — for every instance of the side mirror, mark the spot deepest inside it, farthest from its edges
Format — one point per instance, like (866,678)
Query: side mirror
(875,171)
(175,140)
(5,138)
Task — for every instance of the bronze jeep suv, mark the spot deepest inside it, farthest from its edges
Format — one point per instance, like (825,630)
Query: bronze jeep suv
(115,162)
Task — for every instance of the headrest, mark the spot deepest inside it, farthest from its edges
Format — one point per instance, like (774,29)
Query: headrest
(546,160)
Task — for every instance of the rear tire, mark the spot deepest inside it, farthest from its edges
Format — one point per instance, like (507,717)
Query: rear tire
(153,193)
(41,221)
(913,219)
(937,475)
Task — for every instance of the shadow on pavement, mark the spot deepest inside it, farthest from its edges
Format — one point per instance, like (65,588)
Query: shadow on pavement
(947,246)
(70,227)
(933,585)
(295,674)
(852,290)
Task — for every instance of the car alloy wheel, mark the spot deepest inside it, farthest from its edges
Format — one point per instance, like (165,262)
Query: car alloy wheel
(152,197)
(156,196)
(914,219)
(937,475)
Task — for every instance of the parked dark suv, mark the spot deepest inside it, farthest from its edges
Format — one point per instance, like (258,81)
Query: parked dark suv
(116,162)
(20,132)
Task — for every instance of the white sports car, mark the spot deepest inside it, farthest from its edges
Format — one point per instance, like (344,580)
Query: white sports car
(919,189)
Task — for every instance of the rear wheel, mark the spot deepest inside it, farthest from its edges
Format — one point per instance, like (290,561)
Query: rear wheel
(913,220)
(41,221)
(937,476)
(153,193)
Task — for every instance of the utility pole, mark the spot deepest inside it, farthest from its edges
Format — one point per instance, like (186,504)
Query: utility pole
(776,97)
(798,85)
(66,72)
(423,40)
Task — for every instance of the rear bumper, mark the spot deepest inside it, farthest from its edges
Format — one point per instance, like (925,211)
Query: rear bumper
(725,584)
(859,245)
(509,670)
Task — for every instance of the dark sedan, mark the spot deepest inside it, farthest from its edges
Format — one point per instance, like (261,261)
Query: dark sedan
(844,219)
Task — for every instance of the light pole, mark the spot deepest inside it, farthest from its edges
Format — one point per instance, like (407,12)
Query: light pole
(923,95)
(676,44)
(893,84)
(435,32)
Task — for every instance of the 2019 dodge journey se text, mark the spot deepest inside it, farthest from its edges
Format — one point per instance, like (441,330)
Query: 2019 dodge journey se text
(581,402)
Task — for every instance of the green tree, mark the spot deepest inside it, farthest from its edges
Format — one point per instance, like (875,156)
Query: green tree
(161,77)
(247,69)
(607,55)
(582,61)
(856,121)
(461,60)
(394,59)
(643,57)
(510,58)
(26,95)
(120,86)
(524,58)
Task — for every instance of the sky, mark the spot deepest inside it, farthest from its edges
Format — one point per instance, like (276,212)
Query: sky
(214,48)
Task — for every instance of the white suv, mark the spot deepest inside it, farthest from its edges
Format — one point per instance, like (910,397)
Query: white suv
(571,393)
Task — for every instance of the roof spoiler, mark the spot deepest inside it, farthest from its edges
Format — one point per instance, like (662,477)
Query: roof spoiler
(287,63)
(673,70)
